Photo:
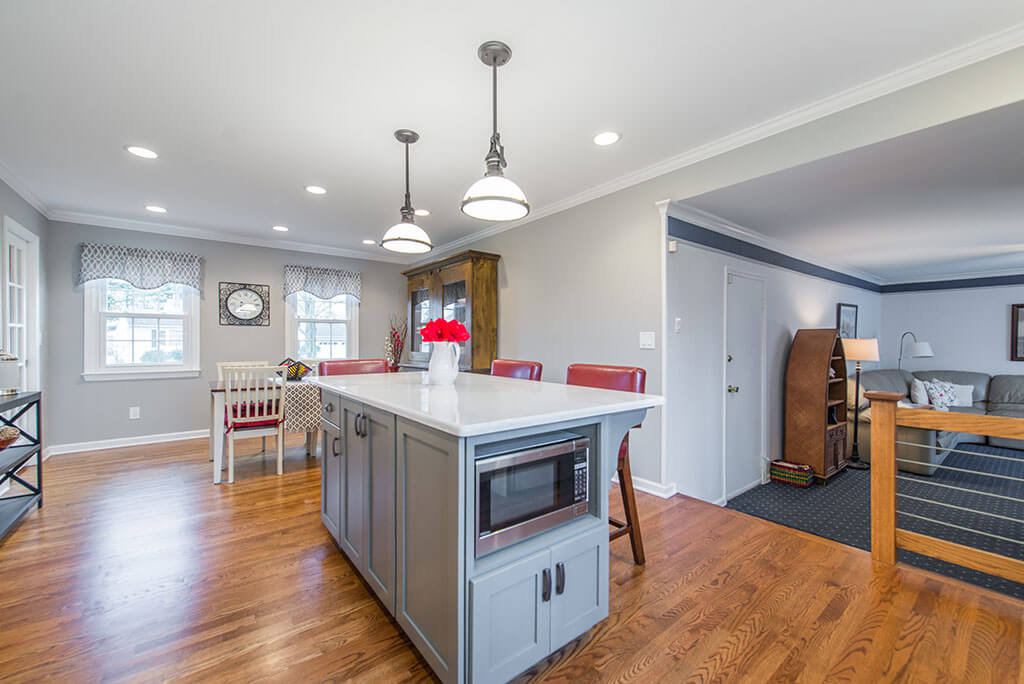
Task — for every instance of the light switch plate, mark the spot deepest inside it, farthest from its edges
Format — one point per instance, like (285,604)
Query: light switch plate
(679,324)
(647,340)
(133,413)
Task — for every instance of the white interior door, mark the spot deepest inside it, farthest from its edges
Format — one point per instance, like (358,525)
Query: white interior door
(744,380)
(20,300)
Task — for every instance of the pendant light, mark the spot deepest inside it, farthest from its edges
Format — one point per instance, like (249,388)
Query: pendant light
(405,236)
(495,197)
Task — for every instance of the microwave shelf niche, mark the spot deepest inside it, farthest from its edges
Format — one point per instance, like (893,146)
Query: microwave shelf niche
(526,487)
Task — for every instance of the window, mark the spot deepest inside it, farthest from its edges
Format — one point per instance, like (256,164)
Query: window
(136,333)
(322,329)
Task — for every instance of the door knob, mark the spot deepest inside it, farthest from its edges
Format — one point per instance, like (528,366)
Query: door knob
(734,388)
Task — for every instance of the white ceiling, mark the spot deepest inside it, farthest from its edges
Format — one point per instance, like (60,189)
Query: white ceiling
(247,102)
(947,201)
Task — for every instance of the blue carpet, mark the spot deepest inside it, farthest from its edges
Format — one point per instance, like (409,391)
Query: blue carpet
(841,510)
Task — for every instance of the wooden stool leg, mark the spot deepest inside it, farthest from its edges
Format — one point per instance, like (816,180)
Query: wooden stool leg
(629,504)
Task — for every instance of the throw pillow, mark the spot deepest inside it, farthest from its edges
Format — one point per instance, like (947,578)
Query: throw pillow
(918,392)
(851,401)
(941,394)
(964,395)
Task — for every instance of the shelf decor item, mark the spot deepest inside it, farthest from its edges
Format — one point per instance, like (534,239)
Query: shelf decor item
(444,338)
(8,436)
(394,341)
(10,374)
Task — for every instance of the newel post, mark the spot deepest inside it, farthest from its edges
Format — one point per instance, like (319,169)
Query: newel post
(883,475)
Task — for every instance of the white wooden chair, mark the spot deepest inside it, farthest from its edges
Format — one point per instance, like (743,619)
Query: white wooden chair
(254,407)
(221,365)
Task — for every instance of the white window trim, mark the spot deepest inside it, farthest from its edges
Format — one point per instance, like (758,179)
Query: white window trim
(291,330)
(94,368)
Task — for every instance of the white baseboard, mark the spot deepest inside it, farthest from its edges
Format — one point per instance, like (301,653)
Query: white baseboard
(665,491)
(76,447)
(744,488)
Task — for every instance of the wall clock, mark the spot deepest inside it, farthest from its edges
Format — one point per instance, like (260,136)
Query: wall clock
(244,304)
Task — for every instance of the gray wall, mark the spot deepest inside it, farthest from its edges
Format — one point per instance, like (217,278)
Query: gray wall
(80,411)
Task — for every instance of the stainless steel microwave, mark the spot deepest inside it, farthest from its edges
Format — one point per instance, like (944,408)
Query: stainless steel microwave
(530,489)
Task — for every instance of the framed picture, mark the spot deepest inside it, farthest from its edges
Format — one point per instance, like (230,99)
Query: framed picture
(846,320)
(1016,332)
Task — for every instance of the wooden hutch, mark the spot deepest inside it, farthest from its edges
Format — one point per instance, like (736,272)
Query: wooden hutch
(462,287)
(816,402)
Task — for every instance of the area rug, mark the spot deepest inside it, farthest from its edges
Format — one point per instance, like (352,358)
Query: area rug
(841,510)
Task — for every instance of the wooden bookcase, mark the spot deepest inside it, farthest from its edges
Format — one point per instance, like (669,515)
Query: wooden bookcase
(816,402)
(463,287)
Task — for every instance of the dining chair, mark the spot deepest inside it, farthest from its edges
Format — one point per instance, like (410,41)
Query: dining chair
(625,379)
(221,365)
(253,407)
(353,366)
(523,370)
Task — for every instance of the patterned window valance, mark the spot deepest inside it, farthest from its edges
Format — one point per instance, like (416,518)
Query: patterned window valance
(322,282)
(143,268)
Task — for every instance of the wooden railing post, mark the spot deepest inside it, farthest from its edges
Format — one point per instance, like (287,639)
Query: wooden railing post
(883,475)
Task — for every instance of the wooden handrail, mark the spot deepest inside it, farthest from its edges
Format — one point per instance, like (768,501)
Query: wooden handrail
(885,537)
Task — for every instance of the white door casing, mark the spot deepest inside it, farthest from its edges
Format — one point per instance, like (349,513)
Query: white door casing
(20,277)
(743,465)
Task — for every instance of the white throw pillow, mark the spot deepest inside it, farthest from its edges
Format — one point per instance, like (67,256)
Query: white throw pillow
(941,394)
(964,395)
(918,392)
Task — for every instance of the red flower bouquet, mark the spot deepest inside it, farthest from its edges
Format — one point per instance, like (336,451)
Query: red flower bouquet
(440,330)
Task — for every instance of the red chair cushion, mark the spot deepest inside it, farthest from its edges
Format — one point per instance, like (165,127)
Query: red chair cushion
(524,370)
(353,366)
(240,412)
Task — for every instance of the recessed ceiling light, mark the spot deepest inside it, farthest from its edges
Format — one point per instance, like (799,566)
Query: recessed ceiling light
(423,212)
(281,229)
(316,190)
(369,242)
(155,209)
(607,138)
(143,152)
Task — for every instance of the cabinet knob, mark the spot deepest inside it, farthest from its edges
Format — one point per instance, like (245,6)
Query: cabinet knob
(329,408)
(733,388)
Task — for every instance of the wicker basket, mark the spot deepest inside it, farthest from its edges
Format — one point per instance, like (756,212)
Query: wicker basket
(8,436)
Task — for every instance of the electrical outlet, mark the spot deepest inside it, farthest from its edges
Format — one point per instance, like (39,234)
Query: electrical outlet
(133,413)
(647,340)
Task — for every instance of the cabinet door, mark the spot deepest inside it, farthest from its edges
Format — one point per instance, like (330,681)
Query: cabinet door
(456,289)
(380,504)
(510,620)
(580,597)
(330,478)
(353,486)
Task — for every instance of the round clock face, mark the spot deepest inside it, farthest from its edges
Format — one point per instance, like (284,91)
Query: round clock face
(245,304)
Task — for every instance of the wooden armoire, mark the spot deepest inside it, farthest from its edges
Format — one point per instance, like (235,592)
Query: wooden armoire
(816,402)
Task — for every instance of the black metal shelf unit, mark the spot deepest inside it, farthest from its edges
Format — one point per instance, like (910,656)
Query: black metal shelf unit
(14,457)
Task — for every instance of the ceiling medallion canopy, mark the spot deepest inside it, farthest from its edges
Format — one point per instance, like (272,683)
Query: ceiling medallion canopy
(405,236)
(495,197)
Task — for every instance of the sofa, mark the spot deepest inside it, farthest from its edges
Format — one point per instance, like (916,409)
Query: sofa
(995,395)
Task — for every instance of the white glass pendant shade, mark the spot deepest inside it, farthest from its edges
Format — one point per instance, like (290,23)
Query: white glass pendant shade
(495,198)
(407,238)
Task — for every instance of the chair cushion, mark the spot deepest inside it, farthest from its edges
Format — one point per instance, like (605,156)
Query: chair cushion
(255,407)
(1006,393)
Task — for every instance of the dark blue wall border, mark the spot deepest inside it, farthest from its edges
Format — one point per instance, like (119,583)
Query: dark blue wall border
(715,240)
(684,230)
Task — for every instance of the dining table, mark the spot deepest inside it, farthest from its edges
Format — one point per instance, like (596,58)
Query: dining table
(301,414)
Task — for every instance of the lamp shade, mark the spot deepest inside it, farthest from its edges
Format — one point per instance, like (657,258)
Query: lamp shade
(865,349)
(407,238)
(495,198)
(920,350)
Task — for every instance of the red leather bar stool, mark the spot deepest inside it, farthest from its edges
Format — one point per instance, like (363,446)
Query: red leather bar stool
(523,370)
(353,366)
(625,379)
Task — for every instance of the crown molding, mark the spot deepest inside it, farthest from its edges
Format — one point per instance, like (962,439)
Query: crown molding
(215,235)
(938,65)
(22,190)
(953,277)
(705,219)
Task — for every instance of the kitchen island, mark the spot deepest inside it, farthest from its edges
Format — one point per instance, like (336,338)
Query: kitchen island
(401,495)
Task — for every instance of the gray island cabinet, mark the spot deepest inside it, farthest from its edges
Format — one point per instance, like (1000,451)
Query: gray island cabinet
(399,495)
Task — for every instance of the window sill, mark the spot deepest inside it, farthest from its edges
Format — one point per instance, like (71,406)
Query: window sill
(141,374)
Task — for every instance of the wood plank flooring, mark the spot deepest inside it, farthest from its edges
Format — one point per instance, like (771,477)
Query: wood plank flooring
(139,569)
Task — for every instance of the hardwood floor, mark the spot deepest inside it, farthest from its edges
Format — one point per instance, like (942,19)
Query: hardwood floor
(139,569)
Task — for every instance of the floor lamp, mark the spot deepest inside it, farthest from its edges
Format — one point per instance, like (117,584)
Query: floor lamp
(916,350)
(859,350)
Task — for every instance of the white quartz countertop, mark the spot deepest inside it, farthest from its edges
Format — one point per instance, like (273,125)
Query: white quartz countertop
(482,404)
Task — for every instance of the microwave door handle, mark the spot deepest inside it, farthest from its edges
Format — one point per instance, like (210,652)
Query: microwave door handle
(545,591)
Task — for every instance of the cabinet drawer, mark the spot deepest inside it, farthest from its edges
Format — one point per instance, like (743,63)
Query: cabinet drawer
(836,434)
(331,408)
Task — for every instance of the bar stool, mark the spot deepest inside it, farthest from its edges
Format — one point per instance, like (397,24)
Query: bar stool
(625,379)
(524,370)
(353,366)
